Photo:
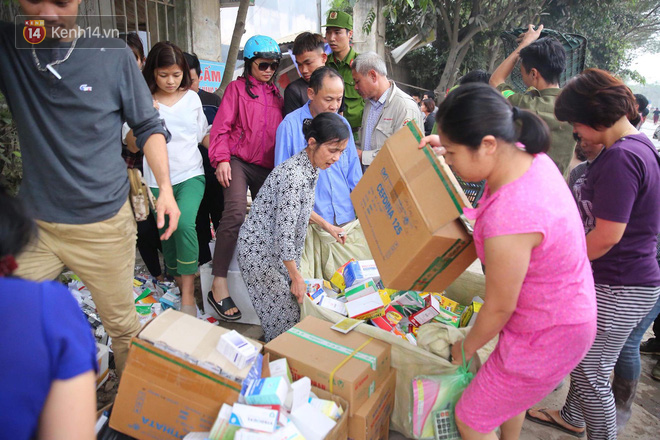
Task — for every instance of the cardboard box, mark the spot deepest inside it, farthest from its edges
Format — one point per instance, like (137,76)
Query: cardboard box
(372,420)
(409,204)
(314,350)
(175,380)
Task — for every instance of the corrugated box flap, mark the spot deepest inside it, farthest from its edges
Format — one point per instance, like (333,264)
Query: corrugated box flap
(434,188)
(192,339)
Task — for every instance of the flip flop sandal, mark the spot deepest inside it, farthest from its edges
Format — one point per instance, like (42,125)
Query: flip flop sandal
(551,422)
(222,306)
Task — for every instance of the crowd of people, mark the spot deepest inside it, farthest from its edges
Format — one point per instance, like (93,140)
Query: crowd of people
(590,245)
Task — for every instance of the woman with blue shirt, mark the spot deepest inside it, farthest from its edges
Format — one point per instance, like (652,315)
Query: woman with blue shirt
(48,354)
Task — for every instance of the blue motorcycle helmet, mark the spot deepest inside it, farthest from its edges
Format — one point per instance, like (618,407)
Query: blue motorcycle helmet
(261,46)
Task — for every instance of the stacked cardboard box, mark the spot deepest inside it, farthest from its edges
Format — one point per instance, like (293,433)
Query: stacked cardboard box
(175,380)
(352,366)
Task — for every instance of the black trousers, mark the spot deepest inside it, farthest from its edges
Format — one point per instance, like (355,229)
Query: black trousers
(148,244)
(210,210)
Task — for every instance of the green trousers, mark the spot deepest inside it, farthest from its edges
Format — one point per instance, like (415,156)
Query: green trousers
(182,249)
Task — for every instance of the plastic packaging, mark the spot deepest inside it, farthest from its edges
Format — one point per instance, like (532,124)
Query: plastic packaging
(434,400)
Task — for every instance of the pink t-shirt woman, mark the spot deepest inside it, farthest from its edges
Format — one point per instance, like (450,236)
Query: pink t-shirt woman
(540,296)
(544,337)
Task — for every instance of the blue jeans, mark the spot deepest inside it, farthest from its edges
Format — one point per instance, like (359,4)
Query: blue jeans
(629,365)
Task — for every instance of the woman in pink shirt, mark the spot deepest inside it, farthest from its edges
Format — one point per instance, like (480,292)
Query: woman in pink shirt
(243,151)
(540,296)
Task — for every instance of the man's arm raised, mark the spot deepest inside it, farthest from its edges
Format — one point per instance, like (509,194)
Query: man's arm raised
(504,70)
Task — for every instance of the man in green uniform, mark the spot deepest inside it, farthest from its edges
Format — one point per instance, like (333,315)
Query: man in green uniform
(543,61)
(338,34)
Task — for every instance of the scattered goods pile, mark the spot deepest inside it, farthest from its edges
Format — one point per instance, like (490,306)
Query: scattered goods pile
(186,377)
(355,290)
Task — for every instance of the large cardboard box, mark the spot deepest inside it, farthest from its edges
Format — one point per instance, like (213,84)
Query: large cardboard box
(314,350)
(372,420)
(175,381)
(409,205)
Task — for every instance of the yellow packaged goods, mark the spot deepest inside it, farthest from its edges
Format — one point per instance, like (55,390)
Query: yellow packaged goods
(450,304)
(470,314)
(372,420)
(337,279)
(173,368)
(409,205)
(351,365)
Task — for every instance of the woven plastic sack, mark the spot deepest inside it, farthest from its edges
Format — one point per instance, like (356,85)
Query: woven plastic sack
(575,46)
(434,400)
(410,361)
(322,254)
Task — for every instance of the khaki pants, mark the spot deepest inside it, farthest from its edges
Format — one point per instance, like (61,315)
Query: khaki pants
(103,256)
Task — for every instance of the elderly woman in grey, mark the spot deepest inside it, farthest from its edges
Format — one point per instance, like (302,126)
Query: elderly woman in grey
(271,241)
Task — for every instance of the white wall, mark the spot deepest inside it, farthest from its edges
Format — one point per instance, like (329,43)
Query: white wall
(274,18)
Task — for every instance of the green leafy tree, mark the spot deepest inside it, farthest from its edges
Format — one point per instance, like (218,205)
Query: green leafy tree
(460,25)
(343,5)
(613,28)
(468,32)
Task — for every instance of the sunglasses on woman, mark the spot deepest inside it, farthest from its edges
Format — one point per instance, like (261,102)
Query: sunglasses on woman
(264,66)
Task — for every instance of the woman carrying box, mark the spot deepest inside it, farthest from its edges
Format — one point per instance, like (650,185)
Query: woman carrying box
(529,236)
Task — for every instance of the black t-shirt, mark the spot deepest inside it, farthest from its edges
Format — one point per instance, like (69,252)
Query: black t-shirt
(295,95)
(428,124)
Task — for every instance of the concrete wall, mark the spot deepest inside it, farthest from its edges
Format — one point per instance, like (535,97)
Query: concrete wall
(375,40)
(206,29)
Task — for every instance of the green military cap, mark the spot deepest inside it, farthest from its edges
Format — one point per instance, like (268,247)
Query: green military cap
(339,19)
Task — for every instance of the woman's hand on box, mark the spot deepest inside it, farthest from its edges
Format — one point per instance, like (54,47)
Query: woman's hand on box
(433,141)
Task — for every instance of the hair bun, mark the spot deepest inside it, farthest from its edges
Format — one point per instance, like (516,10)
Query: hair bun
(307,129)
